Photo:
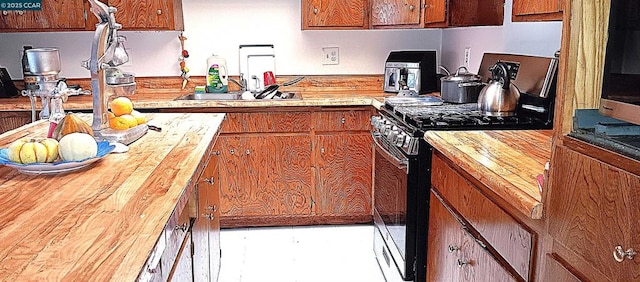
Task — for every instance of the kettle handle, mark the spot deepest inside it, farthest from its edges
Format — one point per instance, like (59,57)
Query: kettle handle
(501,71)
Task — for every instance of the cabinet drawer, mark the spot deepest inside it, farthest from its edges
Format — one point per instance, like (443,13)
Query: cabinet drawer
(510,239)
(343,120)
(267,122)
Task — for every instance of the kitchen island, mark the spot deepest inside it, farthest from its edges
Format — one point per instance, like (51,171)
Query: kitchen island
(110,220)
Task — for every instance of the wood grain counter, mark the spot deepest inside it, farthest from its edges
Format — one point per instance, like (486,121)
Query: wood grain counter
(100,223)
(505,162)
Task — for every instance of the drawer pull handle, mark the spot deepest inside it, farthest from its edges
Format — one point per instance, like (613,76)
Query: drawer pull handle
(182,227)
(619,254)
(453,248)
(210,180)
(462,263)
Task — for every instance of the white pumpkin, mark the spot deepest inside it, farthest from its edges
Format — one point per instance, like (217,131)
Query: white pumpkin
(77,146)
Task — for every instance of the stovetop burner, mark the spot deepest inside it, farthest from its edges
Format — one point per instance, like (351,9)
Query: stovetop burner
(456,116)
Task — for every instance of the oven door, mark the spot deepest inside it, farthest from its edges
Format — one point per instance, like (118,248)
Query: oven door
(391,181)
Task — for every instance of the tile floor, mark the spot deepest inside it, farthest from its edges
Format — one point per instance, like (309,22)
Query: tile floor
(299,254)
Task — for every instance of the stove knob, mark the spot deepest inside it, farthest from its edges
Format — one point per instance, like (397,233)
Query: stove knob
(400,139)
(392,135)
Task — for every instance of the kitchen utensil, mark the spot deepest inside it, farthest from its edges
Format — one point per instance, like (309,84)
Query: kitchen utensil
(461,87)
(500,97)
(293,81)
(269,90)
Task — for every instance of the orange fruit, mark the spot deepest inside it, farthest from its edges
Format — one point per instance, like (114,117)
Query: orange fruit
(140,118)
(118,123)
(131,121)
(121,106)
(111,115)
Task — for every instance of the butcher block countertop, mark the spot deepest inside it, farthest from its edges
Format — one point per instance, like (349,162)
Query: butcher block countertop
(100,223)
(506,162)
(144,101)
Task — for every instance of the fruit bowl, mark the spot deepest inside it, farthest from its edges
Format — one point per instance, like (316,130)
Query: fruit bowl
(104,148)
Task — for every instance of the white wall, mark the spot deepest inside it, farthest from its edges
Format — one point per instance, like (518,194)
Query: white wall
(531,38)
(220,26)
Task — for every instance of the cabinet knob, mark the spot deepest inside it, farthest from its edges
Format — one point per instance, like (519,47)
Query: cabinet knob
(21,12)
(462,263)
(619,254)
(159,12)
(248,152)
(210,180)
(232,151)
(209,216)
(322,150)
(211,208)
(453,248)
(411,8)
(182,227)
(315,10)
(343,120)
(4,13)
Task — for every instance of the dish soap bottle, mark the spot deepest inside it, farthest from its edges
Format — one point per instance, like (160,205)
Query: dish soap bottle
(217,75)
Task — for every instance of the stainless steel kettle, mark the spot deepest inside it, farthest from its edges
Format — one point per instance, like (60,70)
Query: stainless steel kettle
(499,97)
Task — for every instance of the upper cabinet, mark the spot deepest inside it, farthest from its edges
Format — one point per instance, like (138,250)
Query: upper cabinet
(72,15)
(55,15)
(537,10)
(149,15)
(394,13)
(450,13)
(377,14)
(329,14)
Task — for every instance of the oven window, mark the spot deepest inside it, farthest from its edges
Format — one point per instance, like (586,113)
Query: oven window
(391,199)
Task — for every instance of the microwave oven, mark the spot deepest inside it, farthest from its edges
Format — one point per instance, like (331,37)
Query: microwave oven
(620,96)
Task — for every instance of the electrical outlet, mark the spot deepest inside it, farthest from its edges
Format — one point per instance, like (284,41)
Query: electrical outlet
(330,56)
(467,56)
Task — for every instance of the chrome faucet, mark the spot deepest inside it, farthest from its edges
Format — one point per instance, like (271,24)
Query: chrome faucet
(242,83)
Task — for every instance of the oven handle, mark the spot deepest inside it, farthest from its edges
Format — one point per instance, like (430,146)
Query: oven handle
(400,164)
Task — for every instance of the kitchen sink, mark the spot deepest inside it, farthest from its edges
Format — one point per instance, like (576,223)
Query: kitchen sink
(234,96)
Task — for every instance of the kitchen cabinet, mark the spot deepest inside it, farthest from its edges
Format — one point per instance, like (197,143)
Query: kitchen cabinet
(264,176)
(54,16)
(454,254)
(395,13)
(537,10)
(329,14)
(343,175)
(13,120)
(206,229)
(343,163)
(451,13)
(593,212)
(149,15)
(498,232)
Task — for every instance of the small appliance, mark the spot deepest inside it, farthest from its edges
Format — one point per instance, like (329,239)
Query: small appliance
(7,88)
(410,70)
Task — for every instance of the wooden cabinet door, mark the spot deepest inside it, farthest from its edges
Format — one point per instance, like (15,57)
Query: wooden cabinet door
(343,174)
(395,12)
(444,241)
(56,15)
(593,208)
(454,254)
(537,10)
(206,229)
(265,175)
(149,14)
(183,267)
(331,14)
(435,12)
